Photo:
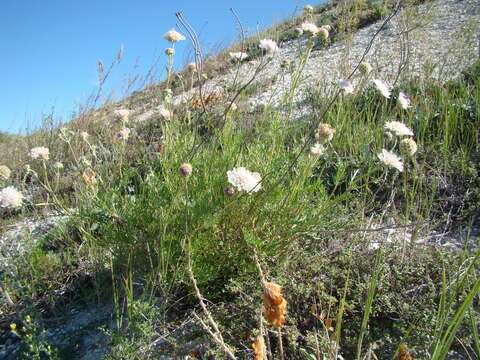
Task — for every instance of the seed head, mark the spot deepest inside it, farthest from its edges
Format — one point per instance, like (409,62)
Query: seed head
(186,169)
(169,51)
(173,36)
(4,172)
(324,133)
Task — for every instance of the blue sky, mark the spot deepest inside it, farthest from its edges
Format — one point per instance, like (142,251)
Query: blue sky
(49,49)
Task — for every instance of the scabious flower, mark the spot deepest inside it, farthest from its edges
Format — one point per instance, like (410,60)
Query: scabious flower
(365,67)
(269,45)
(122,114)
(310,28)
(169,51)
(324,132)
(390,159)
(308,8)
(244,180)
(4,172)
(323,32)
(382,87)
(317,149)
(408,146)
(239,55)
(11,197)
(173,36)
(186,169)
(84,135)
(346,86)
(58,165)
(275,305)
(165,113)
(124,133)
(40,152)
(398,128)
(403,100)
(192,67)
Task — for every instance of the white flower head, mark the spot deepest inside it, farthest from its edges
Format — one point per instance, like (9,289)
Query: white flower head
(239,55)
(84,135)
(382,87)
(346,86)
(365,67)
(192,67)
(398,128)
(390,159)
(409,146)
(403,100)
(173,36)
(245,180)
(124,133)
(310,28)
(40,152)
(308,8)
(4,172)
(323,32)
(11,197)
(122,114)
(317,149)
(165,113)
(324,132)
(269,45)
(58,165)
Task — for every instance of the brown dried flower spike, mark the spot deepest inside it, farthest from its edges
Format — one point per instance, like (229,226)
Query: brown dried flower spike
(259,348)
(275,305)
(403,353)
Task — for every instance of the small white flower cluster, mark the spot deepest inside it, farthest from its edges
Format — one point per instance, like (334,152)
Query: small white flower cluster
(269,45)
(407,145)
(10,197)
(384,89)
(238,56)
(124,133)
(40,152)
(173,36)
(244,179)
(4,172)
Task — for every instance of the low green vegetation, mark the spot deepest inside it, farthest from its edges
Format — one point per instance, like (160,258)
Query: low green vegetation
(337,208)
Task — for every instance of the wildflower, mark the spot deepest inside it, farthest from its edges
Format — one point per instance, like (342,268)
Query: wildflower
(269,45)
(245,180)
(409,146)
(259,348)
(325,132)
(403,100)
(365,67)
(317,149)
(391,160)
(382,87)
(403,353)
(4,172)
(90,177)
(173,36)
(186,169)
(192,67)
(346,86)
(398,128)
(275,305)
(323,33)
(122,114)
(124,133)
(229,191)
(169,51)
(84,135)
(310,28)
(58,165)
(240,55)
(165,113)
(13,326)
(308,8)
(11,197)
(40,152)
